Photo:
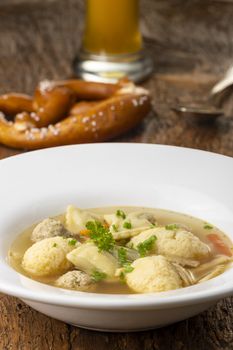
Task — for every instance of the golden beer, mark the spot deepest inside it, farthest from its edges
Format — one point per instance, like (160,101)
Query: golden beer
(112,45)
(112,27)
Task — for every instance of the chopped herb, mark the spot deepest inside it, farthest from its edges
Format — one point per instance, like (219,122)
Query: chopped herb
(126,265)
(208,226)
(127,225)
(171,227)
(100,235)
(120,214)
(128,268)
(72,241)
(98,276)
(122,277)
(122,256)
(54,245)
(114,228)
(145,247)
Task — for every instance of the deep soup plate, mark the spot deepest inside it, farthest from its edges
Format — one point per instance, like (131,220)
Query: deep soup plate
(39,184)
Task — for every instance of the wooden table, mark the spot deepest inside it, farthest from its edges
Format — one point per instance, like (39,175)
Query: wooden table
(192,44)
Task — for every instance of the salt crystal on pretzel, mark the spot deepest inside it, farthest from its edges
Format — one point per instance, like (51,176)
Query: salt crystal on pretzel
(45,86)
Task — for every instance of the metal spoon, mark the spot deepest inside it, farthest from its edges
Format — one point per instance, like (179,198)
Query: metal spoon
(200,112)
(211,110)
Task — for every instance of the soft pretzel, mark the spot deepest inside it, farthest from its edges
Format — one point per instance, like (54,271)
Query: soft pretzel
(53,99)
(119,108)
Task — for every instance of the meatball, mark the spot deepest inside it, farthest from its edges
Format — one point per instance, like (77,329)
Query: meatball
(48,257)
(48,228)
(153,274)
(87,258)
(173,243)
(76,280)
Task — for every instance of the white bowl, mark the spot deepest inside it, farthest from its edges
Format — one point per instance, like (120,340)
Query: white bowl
(39,184)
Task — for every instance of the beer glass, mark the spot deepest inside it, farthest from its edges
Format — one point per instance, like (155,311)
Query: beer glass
(112,43)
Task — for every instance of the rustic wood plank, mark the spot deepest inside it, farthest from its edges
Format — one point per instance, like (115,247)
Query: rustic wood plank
(192,44)
(22,328)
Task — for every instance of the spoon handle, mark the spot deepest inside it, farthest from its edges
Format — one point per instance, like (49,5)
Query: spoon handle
(223,83)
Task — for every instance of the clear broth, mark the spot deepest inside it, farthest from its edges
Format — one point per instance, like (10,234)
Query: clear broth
(163,217)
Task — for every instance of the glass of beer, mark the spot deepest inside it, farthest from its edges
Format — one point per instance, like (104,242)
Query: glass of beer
(112,43)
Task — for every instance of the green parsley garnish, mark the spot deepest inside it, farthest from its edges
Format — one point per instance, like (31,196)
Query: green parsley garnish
(208,226)
(120,214)
(98,276)
(122,256)
(100,235)
(127,225)
(54,245)
(114,228)
(122,277)
(72,241)
(171,227)
(128,268)
(123,260)
(145,247)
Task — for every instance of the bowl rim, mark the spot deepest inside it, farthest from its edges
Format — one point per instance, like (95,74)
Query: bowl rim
(117,301)
(85,300)
(118,144)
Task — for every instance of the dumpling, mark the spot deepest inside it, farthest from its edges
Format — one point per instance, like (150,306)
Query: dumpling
(48,228)
(76,219)
(173,243)
(76,280)
(48,257)
(125,226)
(153,274)
(87,258)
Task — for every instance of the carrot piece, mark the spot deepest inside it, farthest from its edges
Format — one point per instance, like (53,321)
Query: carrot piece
(219,245)
(84,232)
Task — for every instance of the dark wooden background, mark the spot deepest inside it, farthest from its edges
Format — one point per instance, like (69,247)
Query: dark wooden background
(191,42)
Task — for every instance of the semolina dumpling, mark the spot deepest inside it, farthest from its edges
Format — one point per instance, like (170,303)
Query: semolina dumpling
(48,257)
(173,243)
(153,274)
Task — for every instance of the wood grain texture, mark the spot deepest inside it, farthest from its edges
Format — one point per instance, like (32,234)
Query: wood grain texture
(192,45)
